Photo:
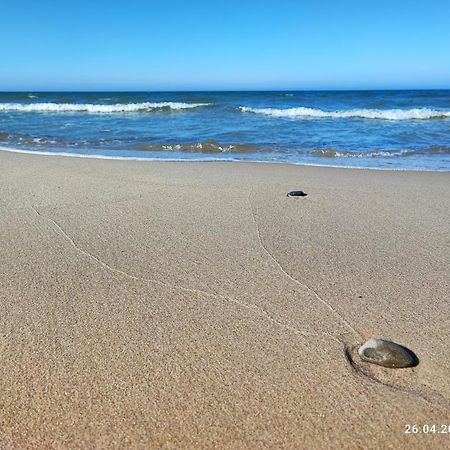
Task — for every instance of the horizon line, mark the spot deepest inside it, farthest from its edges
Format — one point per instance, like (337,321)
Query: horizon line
(2,91)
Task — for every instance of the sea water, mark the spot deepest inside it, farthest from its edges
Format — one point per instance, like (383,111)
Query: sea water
(372,129)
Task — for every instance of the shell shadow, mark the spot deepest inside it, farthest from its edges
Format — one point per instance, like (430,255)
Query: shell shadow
(385,378)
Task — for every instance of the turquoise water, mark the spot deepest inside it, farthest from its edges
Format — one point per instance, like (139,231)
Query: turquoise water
(374,129)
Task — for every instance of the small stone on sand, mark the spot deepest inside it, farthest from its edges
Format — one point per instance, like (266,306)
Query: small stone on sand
(387,354)
(296,194)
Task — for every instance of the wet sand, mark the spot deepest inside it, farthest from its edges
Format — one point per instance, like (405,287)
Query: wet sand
(194,305)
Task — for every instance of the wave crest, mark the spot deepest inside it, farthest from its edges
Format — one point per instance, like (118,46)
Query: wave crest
(97,108)
(380,114)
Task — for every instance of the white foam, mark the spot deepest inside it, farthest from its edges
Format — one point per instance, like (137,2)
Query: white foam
(350,154)
(213,159)
(386,114)
(96,108)
(122,158)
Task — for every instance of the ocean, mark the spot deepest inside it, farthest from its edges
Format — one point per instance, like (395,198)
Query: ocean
(367,129)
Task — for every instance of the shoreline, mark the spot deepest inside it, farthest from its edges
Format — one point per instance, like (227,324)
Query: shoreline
(196,306)
(129,158)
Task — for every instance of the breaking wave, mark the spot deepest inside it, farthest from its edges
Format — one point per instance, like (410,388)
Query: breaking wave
(332,153)
(380,114)
(201,147)
(97,108)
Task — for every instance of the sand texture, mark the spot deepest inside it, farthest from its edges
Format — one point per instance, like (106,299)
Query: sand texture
(194,305)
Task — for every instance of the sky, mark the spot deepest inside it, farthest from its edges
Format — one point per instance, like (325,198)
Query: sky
(223,45)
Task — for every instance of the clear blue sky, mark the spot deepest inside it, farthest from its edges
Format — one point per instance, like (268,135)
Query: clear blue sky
(227,44)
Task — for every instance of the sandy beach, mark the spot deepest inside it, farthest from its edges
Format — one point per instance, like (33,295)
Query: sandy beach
(194,305)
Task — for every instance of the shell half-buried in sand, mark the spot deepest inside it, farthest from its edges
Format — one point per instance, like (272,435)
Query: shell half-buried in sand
(387,354)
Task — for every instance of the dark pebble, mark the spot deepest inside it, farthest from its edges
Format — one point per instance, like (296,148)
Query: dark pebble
(296,194)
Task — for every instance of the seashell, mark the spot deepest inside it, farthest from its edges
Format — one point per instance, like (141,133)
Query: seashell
(387,354)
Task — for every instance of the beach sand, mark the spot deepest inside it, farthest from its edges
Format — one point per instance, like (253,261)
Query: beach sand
(194,305)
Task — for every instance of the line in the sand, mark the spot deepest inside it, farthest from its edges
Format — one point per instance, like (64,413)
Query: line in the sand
(250,307)
(281,268)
